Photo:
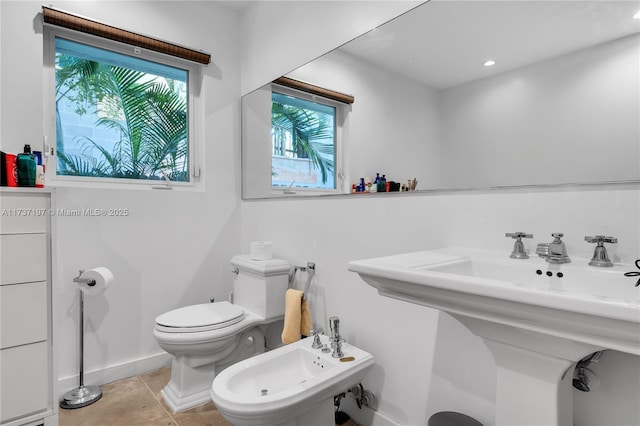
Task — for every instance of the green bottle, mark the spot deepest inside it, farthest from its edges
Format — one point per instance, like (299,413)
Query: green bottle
(26,165)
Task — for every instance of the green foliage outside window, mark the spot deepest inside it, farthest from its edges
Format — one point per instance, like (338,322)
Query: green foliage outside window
(144,116)
(304,129)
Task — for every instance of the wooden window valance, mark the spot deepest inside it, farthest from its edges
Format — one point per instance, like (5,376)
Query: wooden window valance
(316,90)
(78,23)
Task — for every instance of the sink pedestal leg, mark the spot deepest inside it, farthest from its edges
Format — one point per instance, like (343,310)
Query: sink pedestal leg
(534,372)
(532,388)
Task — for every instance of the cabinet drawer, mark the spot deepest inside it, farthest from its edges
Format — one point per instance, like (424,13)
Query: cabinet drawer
(25,380)
(24,213)
(24,258)
(23,314)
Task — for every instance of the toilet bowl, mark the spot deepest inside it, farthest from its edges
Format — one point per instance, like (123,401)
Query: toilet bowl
(206,338)
(293,385)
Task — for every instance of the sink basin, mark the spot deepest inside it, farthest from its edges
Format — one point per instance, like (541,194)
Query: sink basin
(593,305)
(294,384)
(537,319)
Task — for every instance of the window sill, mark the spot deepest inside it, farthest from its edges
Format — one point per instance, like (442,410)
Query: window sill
(159,186)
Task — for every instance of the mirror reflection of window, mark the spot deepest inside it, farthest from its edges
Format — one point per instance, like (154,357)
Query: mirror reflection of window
(303,136)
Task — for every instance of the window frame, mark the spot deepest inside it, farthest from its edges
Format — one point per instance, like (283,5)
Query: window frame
(195,113)
(342,111)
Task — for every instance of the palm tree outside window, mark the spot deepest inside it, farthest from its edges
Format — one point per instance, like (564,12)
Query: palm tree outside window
(119,116)
(303,137)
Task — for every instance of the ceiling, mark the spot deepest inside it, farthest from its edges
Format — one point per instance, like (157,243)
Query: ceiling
(444,43)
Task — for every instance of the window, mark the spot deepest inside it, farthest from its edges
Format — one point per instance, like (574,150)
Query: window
(305,137)
(122,114)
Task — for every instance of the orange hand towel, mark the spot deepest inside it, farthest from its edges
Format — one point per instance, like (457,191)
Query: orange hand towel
(292,316)
(305,321)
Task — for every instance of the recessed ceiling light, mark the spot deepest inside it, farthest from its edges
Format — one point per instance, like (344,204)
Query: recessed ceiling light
(637,15)
(490,63)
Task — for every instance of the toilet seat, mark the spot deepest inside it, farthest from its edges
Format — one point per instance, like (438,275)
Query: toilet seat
(199,318)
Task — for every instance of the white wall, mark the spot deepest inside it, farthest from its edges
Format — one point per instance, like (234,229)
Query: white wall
(173,248)
(279,36)
(551,122)
(394,124)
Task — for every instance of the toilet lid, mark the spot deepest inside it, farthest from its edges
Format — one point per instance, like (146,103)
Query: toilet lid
(207,316)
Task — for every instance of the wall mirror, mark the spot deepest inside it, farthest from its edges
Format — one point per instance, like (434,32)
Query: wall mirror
(559,105)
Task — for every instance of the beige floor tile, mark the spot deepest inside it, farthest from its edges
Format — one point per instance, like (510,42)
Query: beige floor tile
(125,402)
(136,401)
(203,415)
(156,380)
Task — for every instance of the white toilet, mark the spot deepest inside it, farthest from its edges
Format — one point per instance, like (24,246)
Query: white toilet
(204,339)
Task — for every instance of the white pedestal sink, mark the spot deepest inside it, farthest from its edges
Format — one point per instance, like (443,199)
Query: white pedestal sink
(537,319)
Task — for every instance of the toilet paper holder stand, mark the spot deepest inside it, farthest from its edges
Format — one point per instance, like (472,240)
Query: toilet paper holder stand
(82,395)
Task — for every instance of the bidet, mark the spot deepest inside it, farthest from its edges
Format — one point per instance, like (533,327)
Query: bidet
(292,385)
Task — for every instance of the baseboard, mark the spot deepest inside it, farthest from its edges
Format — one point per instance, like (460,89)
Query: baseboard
(365,415)
(116,372)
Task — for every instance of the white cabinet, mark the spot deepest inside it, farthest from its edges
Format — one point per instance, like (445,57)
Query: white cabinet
(27,371)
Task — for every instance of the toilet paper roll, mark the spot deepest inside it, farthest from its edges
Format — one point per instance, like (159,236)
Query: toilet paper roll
(260,250)
(95,280)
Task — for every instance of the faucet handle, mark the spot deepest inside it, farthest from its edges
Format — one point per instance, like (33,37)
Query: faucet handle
(518,251)
(600,256)
(557,235)
(518,235)
(599,239)
(317,344)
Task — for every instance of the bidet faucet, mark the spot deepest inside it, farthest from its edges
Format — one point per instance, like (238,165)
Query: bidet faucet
(555,251)
(335,339)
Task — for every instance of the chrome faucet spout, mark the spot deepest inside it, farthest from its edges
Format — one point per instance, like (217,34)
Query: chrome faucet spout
(334,325)
(555,251)
(336,340)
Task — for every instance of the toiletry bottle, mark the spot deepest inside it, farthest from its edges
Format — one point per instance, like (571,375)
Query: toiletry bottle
(26,164)
(3,169)
(11,169)
(382,186)
(377,179)
(38,155)
(40,176)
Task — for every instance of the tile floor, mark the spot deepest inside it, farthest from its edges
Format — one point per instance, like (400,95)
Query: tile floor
(137,401)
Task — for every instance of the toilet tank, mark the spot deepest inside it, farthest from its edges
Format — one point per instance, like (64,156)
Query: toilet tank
(260,285)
